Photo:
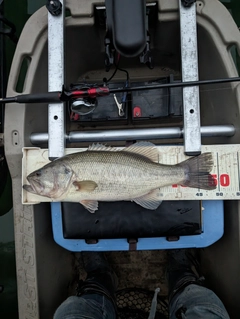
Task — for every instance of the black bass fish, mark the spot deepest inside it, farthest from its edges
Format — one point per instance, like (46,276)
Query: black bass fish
(108,174)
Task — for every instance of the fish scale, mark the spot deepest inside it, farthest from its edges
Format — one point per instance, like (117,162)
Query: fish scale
(133,174)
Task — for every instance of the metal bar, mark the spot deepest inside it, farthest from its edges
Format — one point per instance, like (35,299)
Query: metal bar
(56,114)
(135,134)
(189,56)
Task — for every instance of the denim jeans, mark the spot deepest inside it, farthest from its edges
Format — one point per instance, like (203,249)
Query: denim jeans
(194,302)
(92,306)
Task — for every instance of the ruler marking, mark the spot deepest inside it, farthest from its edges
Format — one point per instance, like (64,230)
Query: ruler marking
(218,179)
(238,171)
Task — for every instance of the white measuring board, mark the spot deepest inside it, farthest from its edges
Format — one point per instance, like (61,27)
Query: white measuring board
(226,172)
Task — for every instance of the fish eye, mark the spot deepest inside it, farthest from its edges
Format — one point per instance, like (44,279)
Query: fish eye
(67,171)
(38,173)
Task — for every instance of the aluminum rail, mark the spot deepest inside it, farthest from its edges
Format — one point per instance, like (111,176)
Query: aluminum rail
(56,112)
(135,134)
(189,58)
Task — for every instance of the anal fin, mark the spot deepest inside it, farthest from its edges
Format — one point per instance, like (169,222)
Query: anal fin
(150,200)
(90,205)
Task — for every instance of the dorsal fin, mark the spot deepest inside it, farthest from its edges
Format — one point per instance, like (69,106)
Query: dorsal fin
(100,147)
(146,149)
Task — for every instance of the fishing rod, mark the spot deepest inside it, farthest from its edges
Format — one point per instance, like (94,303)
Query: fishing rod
(99,91)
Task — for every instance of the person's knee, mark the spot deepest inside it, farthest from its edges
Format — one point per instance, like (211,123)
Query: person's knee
(197,302)
(73,307)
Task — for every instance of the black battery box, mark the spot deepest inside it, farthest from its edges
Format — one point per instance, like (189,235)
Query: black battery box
(137,106)
(156,103)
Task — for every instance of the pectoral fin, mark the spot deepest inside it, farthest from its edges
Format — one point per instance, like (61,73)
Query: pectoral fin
(85,186)
(90,205)
(150,200)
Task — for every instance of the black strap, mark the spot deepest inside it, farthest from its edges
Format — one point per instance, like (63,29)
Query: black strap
(9,30)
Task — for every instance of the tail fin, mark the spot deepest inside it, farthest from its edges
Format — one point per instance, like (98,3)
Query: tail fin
(197,170)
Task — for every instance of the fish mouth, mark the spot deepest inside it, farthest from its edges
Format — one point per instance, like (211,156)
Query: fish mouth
(35,187)
(29,189)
